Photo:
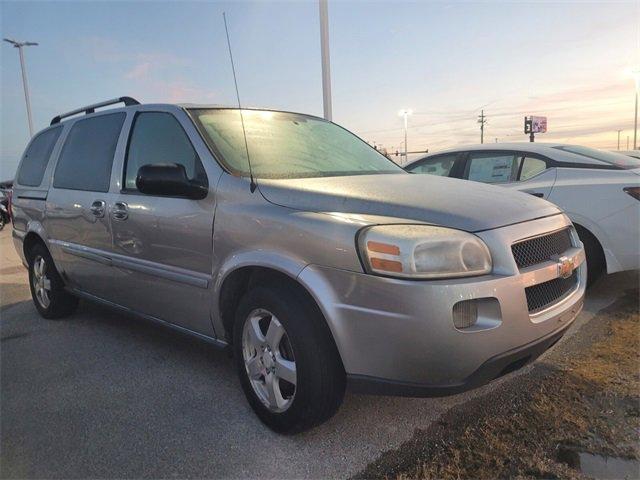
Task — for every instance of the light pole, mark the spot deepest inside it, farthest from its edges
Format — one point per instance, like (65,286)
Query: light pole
(618,138)
(405,112)
(324,52)
(25,85)
(636,77)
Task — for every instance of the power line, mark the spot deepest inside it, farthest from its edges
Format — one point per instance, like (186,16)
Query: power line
(457,116)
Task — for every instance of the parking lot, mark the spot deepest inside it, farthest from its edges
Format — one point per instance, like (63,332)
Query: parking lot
(101,394)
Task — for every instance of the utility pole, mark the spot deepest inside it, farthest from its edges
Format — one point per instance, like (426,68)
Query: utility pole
(324,52)
(482,120)
(406,148)
(618,138)
(25,85)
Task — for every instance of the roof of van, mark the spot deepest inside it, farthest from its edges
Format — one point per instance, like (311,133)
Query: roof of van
(133,103)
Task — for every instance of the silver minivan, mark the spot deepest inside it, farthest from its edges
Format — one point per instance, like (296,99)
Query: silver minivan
(320,263)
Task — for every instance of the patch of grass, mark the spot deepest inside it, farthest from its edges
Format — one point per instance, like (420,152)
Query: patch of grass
(587,400)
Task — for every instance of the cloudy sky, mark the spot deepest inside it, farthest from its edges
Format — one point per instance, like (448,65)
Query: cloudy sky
(570,61)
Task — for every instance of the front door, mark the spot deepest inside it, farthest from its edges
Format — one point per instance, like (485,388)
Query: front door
(76,211)
(528,173)
(163,246)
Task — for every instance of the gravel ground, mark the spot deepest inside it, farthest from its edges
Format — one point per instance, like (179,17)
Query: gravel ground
(104,395)
(575,415)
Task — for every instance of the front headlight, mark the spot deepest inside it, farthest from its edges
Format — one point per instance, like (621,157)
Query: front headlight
(422,251)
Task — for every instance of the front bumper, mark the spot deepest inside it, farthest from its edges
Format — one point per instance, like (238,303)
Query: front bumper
(490,370)
(398,336)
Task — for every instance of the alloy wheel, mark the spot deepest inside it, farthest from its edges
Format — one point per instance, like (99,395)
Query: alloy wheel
(41,282)
(268,360)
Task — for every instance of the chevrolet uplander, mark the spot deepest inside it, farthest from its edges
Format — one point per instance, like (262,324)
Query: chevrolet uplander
(319,262)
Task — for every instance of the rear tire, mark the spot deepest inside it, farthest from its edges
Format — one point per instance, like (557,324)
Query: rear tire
(47,288)
(596,264)
(318,376)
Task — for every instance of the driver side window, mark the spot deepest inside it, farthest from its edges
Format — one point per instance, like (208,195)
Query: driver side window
(492,167)
(440,165)
(158,138)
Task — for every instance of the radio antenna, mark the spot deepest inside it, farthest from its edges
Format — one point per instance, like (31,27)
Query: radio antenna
(253,184)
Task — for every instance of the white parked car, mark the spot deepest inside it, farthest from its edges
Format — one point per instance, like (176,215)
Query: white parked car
(599,190)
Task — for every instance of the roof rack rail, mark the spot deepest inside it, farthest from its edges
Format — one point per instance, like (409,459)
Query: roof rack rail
(92,108)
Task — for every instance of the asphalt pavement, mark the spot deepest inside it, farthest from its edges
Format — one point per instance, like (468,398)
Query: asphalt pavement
(101,394)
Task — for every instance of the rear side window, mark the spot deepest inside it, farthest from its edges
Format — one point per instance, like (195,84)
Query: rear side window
(157,137)
(37,156)
(531,167)
(87,156)
(499,167)
(440,165)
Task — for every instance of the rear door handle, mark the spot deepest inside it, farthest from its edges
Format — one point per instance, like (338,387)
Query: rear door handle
(536,194)
(97,208)
(120,211)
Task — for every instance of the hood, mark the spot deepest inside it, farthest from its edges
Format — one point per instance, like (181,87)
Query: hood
(461,204)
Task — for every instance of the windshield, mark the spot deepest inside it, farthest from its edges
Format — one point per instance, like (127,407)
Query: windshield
(616,159)
(288,145)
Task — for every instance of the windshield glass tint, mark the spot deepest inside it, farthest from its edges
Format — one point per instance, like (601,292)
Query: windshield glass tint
(611,158)
(288,145)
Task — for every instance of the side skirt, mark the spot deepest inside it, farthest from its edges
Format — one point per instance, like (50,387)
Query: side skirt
(163,323)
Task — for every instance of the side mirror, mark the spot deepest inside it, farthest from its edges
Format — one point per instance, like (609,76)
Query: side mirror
(170,180)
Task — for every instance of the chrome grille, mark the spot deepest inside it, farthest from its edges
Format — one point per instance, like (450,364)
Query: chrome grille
(541,249)
(545,294)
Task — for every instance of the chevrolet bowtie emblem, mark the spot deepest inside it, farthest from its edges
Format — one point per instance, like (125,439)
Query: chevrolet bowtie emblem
(565,267)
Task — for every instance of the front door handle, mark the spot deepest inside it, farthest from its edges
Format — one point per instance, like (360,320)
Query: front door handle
(120,211)
(536,194)
(97,208)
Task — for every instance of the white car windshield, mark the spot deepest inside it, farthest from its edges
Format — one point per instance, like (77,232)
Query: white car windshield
(616,159)
(287,145)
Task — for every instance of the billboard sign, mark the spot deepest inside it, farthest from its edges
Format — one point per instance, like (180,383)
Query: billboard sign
(538,124)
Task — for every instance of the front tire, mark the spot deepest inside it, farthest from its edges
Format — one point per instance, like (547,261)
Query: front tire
(596,264)
(288,364)
(47,288)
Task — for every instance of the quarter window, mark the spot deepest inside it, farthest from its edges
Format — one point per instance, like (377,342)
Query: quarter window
(492,167)
(532,167)
(37,156)
(87,156)
(440,165)
(157,138)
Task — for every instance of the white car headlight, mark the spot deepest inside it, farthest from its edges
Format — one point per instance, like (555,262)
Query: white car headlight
(422,251)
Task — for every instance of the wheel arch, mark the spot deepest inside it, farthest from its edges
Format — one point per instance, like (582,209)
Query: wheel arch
(600,239)
(31,239)
(237,282)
